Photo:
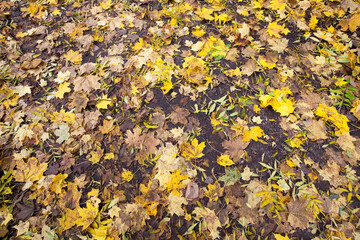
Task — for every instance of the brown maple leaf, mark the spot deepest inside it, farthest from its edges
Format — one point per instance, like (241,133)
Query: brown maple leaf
(235,148)
(108,126)
(150,142)
(299,215)
(79,101)
(133,138)
(87,83)
(179,116)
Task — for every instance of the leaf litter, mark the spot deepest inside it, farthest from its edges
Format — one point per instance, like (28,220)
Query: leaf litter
(179,119)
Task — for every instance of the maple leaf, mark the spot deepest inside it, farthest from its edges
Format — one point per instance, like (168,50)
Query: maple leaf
(274,29)
(108,126)
(299,215)
(246,174)
(127,175)
(104,102)
(79,101)
(139,45)
(279,101)
(214,191)
(224,160)
(30,171)
(204,13)
(268,62)
(235,148)
(176,182)
(168,85)
(280,237)
(22,90)
(356,108)
(254,133)
(313,22)
(62,77)
(58,182)
(222,18)
(74,57)
(231,176)
(68,219)
(63,88)
(196,71)
(22,227)
(331,114)
(179,116)
(87,215)
(63,133)
(106,4)
(193,150)
(175,203)
(96,155)
(352,23)
(87,83)
(277,4)
(214,47)
(69,198)
(62,116)
(212,221)
(198,32)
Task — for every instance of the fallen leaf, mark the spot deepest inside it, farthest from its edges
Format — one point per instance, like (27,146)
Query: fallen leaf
(175,203)
(193,150)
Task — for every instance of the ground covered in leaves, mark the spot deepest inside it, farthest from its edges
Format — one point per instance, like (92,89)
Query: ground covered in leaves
(179,120)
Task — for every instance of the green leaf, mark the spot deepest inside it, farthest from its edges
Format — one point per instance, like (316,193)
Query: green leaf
(62,133)
(231,176)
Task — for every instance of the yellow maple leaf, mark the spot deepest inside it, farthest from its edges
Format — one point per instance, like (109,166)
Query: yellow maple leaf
(21,34)
(313,22)
(279,101)
(214,191)
(214,47)
(74,57)
(168,85)
(104,102)
(224,160)
(63,88)
(266,63)
(62,116)
(205,13)
(280,237)
(52,2)
(222,18)
(36,10)
(295,142)
(109,156)
(277,4)
(356,108)
(99,229)
(274,29)
(106,4)
(58,182)
(331,114)
(175,183)
(87,215)
(139,45)
(193,150)
(68,219)
(254,133)
(198,32)
(56,12)
(29,171)
(352,23)
(96,155)
(127,175)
